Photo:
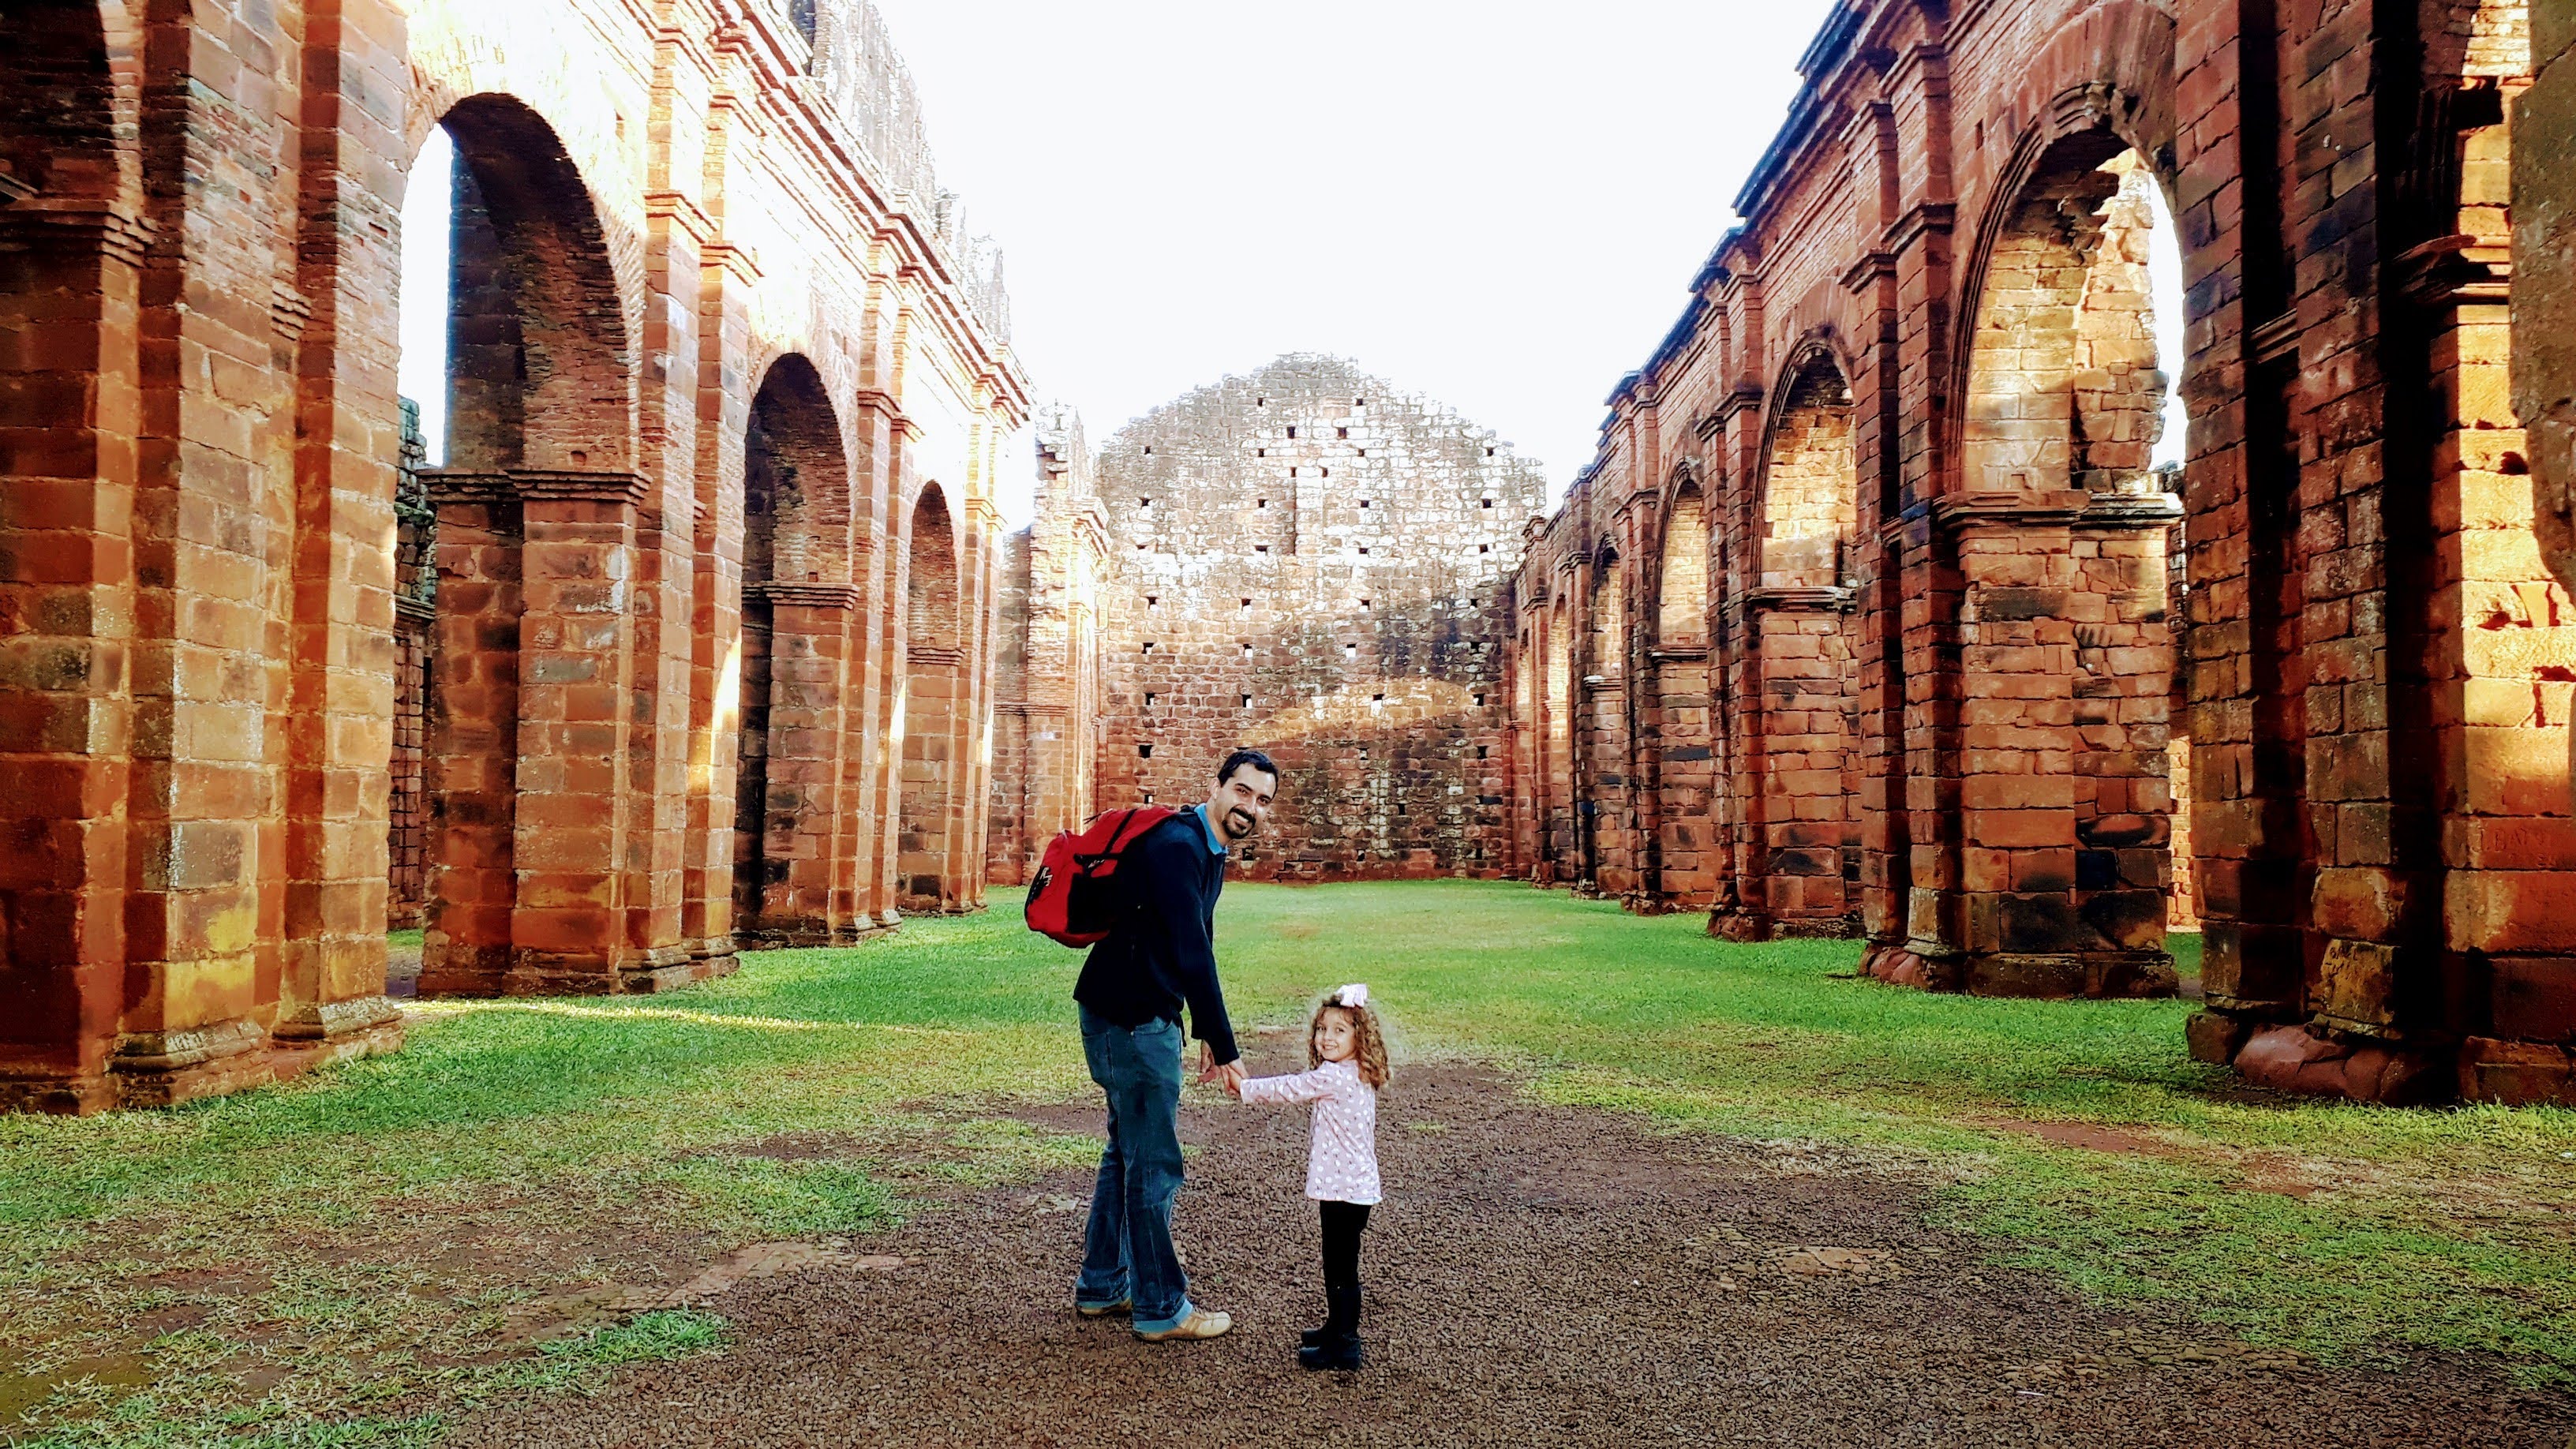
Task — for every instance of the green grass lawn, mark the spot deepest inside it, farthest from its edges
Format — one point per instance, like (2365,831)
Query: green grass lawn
(293,1256)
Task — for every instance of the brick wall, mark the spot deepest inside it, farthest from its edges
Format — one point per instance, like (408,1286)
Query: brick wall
(210,554)
(2353,734)
(1309,562)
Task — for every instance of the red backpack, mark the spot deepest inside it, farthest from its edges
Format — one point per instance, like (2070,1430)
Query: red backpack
(1069,900)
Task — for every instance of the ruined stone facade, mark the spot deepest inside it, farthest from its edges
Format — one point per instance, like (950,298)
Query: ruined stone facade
(1302,560)
(727,387)
(1861,621)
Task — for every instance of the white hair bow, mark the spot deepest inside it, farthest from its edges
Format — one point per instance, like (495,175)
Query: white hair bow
(1353,995)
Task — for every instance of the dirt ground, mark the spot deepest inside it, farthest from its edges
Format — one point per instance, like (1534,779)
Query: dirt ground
(1536,1276)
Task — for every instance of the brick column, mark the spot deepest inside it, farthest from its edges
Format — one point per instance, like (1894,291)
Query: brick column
(471,737)
(1798,743)
(810,639)
(69,412)
(348,440)
(577,642)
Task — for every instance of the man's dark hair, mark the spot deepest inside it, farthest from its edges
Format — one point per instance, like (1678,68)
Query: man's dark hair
(1241,758)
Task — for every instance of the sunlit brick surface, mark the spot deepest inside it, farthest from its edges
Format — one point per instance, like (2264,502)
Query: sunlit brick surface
(2348,706)
(718,349)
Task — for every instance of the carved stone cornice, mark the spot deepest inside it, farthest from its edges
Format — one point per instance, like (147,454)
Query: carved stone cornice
(1678,654)
(1743,395)
(2009,508)
(1794,599)
(60,224)
(682,211)
(2274,339)
(811,596)
(2125,511)
(1920,218)
(2456,271)
(1873,267)
(932,654)
(463,485)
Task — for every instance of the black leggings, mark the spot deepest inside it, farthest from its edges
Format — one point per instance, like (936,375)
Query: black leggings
(1343,1224)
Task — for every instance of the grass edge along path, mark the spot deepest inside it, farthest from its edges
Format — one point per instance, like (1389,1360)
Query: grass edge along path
(2344,1231)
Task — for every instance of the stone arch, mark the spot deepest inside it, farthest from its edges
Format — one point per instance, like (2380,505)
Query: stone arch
(798,604)
(71,247)
(1799,821)
(1681,574)
(2059,524)
(541,369)
(531,510)
(1556,747)
(934,702)
(1684,848)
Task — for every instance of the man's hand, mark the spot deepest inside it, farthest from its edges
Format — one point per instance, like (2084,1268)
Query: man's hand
(1229,1076)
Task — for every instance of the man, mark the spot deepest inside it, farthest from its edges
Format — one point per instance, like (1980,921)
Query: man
(1159,956)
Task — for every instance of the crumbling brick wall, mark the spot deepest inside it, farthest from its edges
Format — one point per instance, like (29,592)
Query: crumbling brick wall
(210,541)
(1308,561)
(2373,791)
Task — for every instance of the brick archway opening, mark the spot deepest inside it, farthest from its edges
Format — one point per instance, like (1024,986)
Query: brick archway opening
(1799,866)
(1684,850)
(1559,857)
(934,686)
(2060,527)
(68,400)
(797,605)
(1606,816)
(534,494)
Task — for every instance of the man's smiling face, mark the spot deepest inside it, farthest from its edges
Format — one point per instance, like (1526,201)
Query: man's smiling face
(1240,805)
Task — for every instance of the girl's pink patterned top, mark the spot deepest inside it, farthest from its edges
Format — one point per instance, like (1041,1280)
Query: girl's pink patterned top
(1341,1152)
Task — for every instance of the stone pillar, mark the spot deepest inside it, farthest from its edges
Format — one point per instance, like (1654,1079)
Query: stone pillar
(1797,723)
(69,414)
(348,442)
(810,639)
(2057,896)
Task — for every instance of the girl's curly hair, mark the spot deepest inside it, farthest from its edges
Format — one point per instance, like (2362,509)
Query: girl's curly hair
(1371,1040)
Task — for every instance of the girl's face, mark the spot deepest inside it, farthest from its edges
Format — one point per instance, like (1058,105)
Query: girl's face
(1335,1039)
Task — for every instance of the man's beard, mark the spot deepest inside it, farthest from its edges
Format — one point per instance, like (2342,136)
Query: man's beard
(1240,824)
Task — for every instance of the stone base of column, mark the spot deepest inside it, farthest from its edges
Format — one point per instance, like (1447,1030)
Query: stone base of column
(331,1021)
(862,929)
(1734,923)
(2315,1061)
(164,1068)
(2054,975)
(294,1057)
(58,1096)
(712,947)
(2517,1073)
(688,971)
(448,969)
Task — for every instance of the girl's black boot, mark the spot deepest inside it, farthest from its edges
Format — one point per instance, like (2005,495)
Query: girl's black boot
(1337,1345)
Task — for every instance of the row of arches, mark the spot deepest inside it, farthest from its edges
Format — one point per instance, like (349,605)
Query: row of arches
(1719,694)
(2057,598)
(664,642)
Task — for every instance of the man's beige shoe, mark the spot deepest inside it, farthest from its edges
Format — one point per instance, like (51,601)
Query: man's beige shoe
(1202,1323)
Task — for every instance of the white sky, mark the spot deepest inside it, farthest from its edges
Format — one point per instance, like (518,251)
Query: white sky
(1500,205)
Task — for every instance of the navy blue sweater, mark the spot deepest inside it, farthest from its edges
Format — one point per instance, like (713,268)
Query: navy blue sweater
(1161,951)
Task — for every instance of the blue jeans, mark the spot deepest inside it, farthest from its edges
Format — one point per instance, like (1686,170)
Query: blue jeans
(1127,1250)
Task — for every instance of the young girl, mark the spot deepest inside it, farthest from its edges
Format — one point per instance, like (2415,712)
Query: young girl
(1347,1056)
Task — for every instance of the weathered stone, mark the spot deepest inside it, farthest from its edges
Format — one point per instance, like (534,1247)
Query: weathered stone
(267,685)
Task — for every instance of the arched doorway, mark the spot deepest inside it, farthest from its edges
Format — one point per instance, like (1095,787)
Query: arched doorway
(532,508)
(1799,868)
(2062,532)
(1608,809)
(1685,850)
(934,697)
(791,678)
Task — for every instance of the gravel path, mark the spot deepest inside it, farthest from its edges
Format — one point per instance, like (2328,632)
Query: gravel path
(1539,1276)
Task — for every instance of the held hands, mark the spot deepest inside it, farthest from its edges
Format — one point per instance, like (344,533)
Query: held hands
(1229,1076)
